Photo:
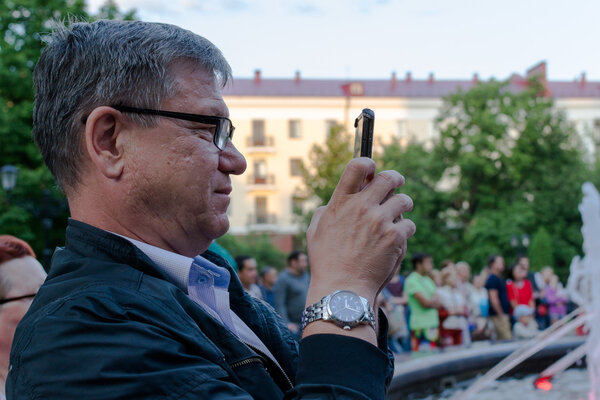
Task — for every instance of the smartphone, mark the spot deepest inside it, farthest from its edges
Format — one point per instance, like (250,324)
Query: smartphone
(363,137)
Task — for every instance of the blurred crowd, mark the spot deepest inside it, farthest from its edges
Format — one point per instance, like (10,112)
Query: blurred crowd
(449,306)
(426,308)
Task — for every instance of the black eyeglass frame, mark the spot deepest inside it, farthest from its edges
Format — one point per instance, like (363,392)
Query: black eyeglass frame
(218,122)
(10,299)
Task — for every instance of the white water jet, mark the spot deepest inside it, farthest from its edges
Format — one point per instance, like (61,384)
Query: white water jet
(584,281)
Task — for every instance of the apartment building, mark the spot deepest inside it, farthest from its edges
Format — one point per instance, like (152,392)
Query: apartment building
(278,120)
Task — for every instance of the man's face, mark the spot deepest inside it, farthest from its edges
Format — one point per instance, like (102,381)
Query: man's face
(248,274)
(427,265)
(179,179)
(301,264)
(270,277)
(498,265)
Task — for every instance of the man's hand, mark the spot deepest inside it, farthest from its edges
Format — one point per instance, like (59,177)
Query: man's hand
(294,328)
(358,240)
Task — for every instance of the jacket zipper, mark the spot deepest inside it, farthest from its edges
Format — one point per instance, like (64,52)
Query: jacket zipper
(260,360)
(247,361)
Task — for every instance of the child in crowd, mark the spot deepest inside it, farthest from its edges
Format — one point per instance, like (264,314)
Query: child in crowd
(525,327)
(556,297)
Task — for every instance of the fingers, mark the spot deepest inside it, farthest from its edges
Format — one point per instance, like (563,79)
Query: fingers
(397,205)
(356,173)
(383,186)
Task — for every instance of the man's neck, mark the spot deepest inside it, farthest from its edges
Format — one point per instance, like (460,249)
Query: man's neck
(294,272)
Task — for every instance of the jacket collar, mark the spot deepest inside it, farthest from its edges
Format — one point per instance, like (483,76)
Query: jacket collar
(88,240)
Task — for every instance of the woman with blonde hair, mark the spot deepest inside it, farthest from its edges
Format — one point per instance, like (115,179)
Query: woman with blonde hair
(21,275)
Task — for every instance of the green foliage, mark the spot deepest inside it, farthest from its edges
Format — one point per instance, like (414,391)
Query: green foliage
(110,10)
(540,251)
(257,246)
(327,164)
(23,23)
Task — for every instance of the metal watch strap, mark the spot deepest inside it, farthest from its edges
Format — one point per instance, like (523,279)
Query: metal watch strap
(318,311)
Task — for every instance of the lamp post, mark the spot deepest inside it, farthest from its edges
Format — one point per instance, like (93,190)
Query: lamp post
(9,178)
(520,244)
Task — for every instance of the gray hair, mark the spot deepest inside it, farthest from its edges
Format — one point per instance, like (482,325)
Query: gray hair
(87,65)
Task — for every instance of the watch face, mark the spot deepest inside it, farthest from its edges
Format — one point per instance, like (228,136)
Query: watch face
(346,306)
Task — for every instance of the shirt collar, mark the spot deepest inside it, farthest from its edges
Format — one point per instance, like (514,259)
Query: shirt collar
(175,266)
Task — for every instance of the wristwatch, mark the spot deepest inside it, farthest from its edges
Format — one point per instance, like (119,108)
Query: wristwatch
(344,308)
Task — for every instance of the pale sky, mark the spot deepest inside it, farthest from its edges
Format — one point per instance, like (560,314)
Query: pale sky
(371,38)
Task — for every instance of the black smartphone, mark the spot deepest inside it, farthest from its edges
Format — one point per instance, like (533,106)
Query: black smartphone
(363,137)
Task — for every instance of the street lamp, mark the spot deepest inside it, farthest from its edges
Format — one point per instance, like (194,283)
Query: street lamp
(9,177)
(520,244)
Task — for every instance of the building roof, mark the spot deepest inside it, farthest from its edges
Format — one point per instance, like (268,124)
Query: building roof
(407,87)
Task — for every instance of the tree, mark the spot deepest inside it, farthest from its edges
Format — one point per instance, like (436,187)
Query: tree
(23,23)
(540,251)
(516,164)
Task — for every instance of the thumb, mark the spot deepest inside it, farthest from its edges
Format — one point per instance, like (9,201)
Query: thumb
(357,173)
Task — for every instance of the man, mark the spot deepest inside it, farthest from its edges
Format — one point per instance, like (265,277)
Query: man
(423,302)
(499,304)
(268,276)
(21,275)
(291,289)
(248,272)
(131,122)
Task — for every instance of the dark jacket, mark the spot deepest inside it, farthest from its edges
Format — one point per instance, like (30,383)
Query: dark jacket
(107,324)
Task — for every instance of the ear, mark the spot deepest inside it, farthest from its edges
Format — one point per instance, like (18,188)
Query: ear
(102,141)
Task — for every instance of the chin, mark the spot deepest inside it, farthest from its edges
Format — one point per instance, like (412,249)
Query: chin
(220,226)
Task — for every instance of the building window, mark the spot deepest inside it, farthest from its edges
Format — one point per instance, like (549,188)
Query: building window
(295,167)
(258,133)
(400,129)
(295,131)
(260,171)
(260,208)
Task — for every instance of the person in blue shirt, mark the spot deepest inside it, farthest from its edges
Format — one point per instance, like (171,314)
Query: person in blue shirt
(499,310)
(268,277)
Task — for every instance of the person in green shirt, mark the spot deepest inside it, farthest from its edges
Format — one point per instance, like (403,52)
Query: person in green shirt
(423,302)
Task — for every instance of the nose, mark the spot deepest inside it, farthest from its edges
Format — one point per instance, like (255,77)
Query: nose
(231,161)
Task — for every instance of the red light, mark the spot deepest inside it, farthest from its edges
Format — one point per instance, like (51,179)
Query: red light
(543,384)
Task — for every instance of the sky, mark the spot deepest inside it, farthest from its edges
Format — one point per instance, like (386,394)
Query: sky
(370,39)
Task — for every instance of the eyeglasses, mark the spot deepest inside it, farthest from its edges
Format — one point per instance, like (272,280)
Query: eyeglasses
(223,126)
(27,296)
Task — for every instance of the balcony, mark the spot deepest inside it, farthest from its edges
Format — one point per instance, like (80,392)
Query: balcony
(262,222)
(260,145)
(260,182)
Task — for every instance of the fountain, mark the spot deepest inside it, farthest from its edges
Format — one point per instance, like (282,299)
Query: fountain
(584,289)
(584,281)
